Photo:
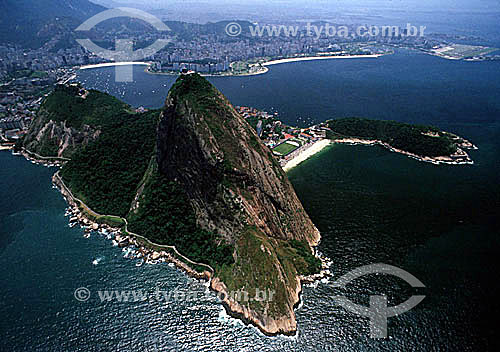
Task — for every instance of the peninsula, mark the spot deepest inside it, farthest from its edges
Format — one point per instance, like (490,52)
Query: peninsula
(293,145)
(424,143)
(196,183)
(193,176)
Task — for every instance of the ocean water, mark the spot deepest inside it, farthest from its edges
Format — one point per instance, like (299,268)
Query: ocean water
(439,223)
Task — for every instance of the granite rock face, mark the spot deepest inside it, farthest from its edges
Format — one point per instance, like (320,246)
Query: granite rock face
(231,178)
(50,138)
(239,191)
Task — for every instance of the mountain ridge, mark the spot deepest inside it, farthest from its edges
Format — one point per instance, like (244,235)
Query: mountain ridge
(36,22)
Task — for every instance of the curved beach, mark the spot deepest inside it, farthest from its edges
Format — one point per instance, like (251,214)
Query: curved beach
(305,154)
(311,58)
(264,69)
(109,64)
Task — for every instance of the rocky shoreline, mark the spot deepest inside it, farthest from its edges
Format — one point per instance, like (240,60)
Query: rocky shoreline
(148,255)
(269,326)
(459,158)
(135,248)
(44,162)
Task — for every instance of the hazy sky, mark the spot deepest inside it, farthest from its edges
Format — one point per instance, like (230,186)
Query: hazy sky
(402,4)
(468,17)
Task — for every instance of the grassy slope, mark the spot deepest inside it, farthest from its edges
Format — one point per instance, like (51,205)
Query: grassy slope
(256,268)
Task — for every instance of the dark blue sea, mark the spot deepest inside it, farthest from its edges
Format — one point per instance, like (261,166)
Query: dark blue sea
(440,223)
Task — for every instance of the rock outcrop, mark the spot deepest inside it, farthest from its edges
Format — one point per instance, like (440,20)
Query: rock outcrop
(239,191)
(72,117)
(231,178)
(54,139)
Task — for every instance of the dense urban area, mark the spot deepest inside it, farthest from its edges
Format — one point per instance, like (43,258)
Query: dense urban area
(28,74)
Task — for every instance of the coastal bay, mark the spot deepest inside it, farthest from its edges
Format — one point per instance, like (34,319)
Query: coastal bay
(438,222)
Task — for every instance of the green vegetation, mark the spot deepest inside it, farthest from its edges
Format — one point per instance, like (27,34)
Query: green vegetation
(415,139)
(117,176)
(240,67)
(255,267)
(108,173)
(253,121)
(48,146)
(161,248)
(313,264)
(39,74)
(97,109)
(28,74)
(166,217)
(113,221)
(105,174)
(213,110)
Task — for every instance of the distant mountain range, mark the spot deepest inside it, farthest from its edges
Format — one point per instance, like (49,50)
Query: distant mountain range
(32,23)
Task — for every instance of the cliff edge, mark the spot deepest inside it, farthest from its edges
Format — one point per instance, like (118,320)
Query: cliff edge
(239,191)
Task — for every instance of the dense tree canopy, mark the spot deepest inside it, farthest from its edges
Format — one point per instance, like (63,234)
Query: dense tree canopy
(407,137)
(106,173)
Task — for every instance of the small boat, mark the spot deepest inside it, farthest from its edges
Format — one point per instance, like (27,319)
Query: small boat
(139,263)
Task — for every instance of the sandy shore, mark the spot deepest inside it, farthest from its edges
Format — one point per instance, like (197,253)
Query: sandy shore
(306,154)
(310,58)
(109,64)
(260,72)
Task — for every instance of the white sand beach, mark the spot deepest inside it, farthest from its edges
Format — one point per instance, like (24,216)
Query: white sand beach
(307,153)
(310,58)
(108,64)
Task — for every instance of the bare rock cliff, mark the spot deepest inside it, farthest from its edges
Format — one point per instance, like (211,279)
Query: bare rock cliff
(232,179)
(239,191)
(50,138)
